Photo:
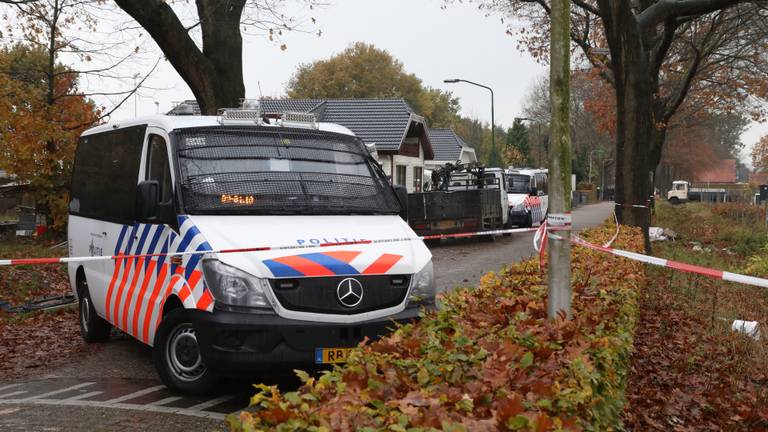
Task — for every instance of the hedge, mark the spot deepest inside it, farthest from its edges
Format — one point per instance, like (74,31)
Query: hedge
(488,360)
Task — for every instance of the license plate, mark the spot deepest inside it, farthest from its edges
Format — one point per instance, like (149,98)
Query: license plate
(447,224)
(331,355)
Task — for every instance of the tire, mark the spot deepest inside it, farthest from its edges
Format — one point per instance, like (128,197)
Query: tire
(177,356)
(674,201)
(528,221)
(92,327)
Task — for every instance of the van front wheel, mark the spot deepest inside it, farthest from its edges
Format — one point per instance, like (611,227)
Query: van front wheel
(177,356)
(92,327)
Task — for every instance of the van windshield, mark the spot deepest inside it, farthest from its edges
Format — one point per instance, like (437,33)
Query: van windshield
(518,183)
(279,171)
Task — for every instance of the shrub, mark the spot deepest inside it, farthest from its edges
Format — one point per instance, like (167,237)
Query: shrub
(489,359)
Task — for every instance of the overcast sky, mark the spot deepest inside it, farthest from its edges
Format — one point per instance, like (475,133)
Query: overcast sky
(433,43)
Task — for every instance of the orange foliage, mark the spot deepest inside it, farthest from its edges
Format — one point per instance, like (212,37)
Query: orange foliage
(39,132)
(760,155)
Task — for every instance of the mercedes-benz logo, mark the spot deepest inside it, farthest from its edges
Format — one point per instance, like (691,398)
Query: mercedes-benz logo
(349,292)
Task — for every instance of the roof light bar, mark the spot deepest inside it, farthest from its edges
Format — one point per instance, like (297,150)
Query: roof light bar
(299,119)
(241,116)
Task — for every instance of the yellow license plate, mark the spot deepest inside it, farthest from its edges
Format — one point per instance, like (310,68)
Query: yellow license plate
(331,355)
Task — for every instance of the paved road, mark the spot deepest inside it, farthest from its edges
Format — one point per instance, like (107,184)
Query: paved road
(461,262)
(115,388)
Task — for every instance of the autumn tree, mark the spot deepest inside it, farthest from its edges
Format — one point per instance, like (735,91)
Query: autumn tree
(69,31)
(52,30)
(512,157)
(39,132)
(364,71)
(517,138)
(656,54)
(591,138)
(760,155)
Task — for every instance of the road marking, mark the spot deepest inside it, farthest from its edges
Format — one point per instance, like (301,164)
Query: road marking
(133,407)
(212,402)
(6,387)
(12,394)
(165,401)
(83,396)
(64,390)
(135,394)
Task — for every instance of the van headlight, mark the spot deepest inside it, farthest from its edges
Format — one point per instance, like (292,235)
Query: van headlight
(423,286)
(235,287)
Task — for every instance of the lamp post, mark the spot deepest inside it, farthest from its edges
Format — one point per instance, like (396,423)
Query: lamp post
(493,161)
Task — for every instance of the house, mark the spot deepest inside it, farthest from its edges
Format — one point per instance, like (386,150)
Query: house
(448,147)
(399,134)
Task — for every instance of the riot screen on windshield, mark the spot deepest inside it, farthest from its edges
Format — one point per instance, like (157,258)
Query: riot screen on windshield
(517,183)
(279,171)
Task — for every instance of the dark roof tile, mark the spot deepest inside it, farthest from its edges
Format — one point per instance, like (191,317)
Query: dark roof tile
(446,144)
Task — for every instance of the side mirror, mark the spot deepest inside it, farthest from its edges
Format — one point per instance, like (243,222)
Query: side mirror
(402,197)
(534,191)
(148,201)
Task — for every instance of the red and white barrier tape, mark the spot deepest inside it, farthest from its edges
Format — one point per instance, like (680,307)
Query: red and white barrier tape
(631,205)
(676,265)
(64,260)
(615,236)
(540,240)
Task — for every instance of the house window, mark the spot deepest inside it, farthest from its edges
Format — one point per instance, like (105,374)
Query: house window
(400,175)
(417,179)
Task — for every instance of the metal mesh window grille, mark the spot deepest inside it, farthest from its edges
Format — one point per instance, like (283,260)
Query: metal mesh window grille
(278,171)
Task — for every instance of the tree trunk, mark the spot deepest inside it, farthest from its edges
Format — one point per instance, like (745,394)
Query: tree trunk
(215,74)
(634,109)
(559,299)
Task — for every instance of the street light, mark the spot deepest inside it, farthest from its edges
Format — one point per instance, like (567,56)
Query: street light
(538,134)
(494,162)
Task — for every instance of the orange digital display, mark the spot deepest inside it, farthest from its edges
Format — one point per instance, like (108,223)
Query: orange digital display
(237,199)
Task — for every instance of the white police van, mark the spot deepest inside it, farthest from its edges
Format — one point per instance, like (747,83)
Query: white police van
(166,184)
(527,196)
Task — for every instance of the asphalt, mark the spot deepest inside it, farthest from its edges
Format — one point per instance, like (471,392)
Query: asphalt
(461,262)
(115,388)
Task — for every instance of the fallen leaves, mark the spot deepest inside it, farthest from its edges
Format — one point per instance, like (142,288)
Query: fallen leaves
(33,343)
(489,359)
(689,371)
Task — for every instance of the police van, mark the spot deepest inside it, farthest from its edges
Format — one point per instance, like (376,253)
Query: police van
(527,196)
(173,184)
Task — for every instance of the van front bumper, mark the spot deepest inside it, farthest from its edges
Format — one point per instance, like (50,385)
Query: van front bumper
(235,342)
(517,217)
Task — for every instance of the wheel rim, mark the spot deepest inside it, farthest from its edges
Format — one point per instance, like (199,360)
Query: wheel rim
(85,313)
(183,354)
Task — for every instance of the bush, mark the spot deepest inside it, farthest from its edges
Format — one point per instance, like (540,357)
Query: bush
(488,360)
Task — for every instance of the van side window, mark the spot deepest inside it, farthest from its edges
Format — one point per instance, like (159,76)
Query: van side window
(543,184)
(158,168)
(105,175)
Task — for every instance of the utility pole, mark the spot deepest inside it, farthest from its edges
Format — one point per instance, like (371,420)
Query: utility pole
(560,159)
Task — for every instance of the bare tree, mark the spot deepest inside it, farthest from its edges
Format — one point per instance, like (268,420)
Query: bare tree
(661,53)
(213,67)
(69,32)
